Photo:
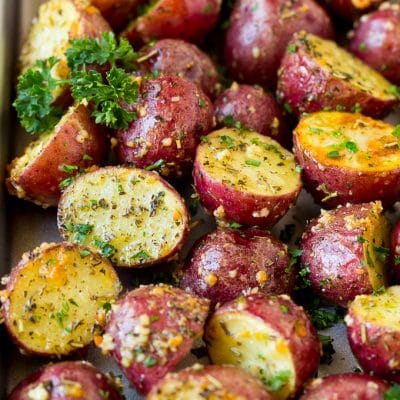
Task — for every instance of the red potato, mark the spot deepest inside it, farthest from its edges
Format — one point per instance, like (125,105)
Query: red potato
(54,298)
(373,330)
(189,20)
(352,9)
(151,330)
(173,114)
(66,381)
(218,381)
(395,252)
(345,387)
(348,158)
(254,109)
(269,337)
(259,31)
(179,58)
(376,41)
(48,163)
(345,252)
(245,177)
(225,263)
(316,74)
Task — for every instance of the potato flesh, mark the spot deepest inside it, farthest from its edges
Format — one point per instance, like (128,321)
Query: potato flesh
(249,162)
(251,344)
(379,310)
(344,66)
(132,211)
(56,297)
(320,134)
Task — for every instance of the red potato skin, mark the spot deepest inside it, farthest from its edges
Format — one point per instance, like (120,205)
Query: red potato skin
(92,381)
(236,382)
(351,10)
(189,20)
(40,179)
(376,41)
(179,58)
(332,253)
(254,108)
(306,88)
(249,253)
(346,386)
(378,351)
(174,310)
(294,326)
(256,41)
(174,110)
(395,252)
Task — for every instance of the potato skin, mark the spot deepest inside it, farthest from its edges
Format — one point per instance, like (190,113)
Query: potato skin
(179,58)
(294,326)
(256,41)
(173,114)
(346,386)
(67,380)
(254,108)
(166,321)
(39,181)
(334,253)
(225,263)
(235,383)
(395,252)
(376,41)
(189,20)
(352,9)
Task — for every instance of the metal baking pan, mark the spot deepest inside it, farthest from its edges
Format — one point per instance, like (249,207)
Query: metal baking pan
(24,226)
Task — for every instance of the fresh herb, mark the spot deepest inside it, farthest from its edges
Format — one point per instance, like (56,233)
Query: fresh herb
(227,141)
(333,154)
(231,122)
(356,108)
(284,308)
(73,302)
(360,239)
(298,168)
(294,255)
(156,165)
(393,393)
(66,182)
(201,103)
(382,253)
(323,317)
(396,260)
(107,250)
(254,163)
(304,281)
(204,139)
(107,307)
(288,108)
(327,349)
(234,225)
(315,130)
(292,48)
(396,131)
(149,362)
(379,290)
(81,232)
(84,253)
(105,394)
(69,169)
(194,204)
(395,91)
(351,146)
(86,157)
(363,47)
(207,9)
(142,255)
(279,380)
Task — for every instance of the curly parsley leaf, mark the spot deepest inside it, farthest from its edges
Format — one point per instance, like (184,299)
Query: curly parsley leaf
(393,393)
(327,349)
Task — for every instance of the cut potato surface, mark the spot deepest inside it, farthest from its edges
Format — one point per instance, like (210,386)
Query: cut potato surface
(130,215)
(54,297)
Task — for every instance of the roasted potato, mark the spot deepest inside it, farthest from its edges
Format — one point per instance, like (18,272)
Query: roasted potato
(52,304)
(244,177)
(345,387)
(64,381)
(316,74)
(376,41)
(48,164)
(268,336)
(373,330)
(179,58)
(218,381)
(348,158)
(259,31)
(130,215)
(225,263)
(173,113)
(345,252)
(151,330)
(254,109)
(189,20)
(395,252)
(352,9)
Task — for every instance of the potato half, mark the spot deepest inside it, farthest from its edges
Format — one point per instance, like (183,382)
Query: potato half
(54,297)
(245,177)
(130,215)
(317,74)
(348,158)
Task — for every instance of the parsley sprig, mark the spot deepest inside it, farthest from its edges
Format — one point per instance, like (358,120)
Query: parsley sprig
(108,95)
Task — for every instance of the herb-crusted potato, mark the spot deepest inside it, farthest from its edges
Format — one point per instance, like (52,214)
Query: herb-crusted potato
(151,330)
(348,158)
(64,381)
(373,329)
(173,113)
(346,386)
(316,74)
(48,165)
(245,177)
(130,215)
(268,336)
(220,382)
(225,263)
(345,252)
(54,298)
